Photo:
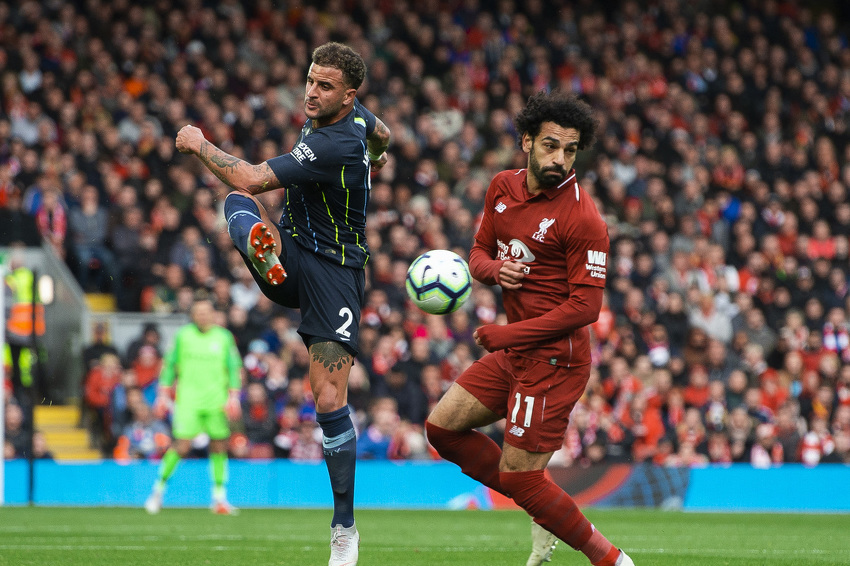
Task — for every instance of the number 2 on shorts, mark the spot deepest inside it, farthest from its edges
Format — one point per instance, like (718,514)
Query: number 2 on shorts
(349,318)
(529,408)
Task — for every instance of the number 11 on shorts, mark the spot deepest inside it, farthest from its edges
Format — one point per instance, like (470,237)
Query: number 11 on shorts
(529,408)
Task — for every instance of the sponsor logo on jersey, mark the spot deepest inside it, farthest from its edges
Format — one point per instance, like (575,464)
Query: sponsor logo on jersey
(515,250)
(596,258)
(545,224)
(516,430)
(500,208)
(596,264)
(302,151)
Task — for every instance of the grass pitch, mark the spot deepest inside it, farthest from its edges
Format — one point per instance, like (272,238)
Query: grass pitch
(187,537)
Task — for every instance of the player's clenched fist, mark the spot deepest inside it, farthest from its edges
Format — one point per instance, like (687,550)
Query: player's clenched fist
(189,139)
(161,406)
(511,274)
(233,408)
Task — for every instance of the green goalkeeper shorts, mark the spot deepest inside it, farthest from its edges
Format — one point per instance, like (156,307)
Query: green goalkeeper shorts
(189,422)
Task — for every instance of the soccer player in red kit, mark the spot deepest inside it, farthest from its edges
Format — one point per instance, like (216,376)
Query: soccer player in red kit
(544,242)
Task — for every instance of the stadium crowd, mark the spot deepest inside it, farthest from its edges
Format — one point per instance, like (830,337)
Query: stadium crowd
(722,171)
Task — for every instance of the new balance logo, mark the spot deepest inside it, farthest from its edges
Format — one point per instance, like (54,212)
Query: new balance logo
(500,208)
(516,431)
(596,258)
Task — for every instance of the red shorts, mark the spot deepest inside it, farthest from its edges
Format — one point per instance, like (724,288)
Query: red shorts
(535,397)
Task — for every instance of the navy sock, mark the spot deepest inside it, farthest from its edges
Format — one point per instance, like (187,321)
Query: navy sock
(241,213)
(339,444)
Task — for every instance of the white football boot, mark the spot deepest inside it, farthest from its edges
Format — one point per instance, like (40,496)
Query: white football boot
(624,559)
(542,545)
(345,545)
(153,504)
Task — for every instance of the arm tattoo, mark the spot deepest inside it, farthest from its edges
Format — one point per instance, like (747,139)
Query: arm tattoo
(379,140)
(221,164)
(269,179)
(235,172)
(331,355)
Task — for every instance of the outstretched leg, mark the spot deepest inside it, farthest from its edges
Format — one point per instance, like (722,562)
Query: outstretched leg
(254,234)
(516,473)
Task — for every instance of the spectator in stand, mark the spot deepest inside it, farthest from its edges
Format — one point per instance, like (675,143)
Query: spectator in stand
(101,380)
(88,225)
(259,421)
(409,397)
(376,442)
(150,336)
(52,220)
(17,226)
(16,436)
(308,443)
(146,367)
(144,438)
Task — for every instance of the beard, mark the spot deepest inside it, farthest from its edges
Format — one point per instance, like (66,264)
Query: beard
(547,177)
(321,111)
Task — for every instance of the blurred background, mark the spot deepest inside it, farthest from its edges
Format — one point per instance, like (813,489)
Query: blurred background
(721,170)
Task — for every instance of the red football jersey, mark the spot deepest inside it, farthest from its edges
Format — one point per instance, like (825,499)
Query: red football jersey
(561,237)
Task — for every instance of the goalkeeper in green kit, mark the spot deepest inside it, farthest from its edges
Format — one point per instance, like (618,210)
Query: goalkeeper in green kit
(207,366)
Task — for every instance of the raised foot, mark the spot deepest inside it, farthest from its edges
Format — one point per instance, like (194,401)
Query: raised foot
(262,248)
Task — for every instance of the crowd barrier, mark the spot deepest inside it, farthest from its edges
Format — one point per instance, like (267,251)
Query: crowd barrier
(436,485)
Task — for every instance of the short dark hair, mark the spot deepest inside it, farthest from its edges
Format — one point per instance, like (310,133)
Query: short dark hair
(562,108)
(345,59)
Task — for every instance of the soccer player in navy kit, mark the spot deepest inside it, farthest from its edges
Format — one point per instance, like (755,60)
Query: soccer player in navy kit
(313,259)
(543,241)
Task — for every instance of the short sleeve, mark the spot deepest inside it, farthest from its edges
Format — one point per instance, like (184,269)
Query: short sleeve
(315,159)
(367,117)
(587,254)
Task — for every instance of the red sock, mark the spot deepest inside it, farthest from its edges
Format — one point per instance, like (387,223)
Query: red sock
(599,551)
(476,454)
(550,506)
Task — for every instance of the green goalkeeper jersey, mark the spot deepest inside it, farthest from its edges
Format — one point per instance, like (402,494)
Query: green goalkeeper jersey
(206,365)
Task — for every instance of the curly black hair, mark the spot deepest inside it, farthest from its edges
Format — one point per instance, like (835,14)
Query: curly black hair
(345,59)
(562,108)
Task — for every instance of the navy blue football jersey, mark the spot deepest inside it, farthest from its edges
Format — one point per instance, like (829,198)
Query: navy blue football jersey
(326,176)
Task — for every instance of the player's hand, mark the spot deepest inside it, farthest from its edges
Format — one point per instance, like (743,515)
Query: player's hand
(379,163)
(512,273)
(161,406)
(482,338)
(233,408)
(477,338)
(189,139)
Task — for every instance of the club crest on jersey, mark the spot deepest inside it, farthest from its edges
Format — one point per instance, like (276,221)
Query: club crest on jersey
(514,250)
(500,208)
(542,229)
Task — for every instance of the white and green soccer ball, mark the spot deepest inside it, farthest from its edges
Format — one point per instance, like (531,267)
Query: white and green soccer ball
(438,282)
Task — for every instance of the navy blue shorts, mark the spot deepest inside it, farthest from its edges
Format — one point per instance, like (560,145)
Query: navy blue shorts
(329,295)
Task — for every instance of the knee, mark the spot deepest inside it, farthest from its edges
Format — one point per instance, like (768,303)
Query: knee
(329,398)
(523,486)
(433,434)
(442,439)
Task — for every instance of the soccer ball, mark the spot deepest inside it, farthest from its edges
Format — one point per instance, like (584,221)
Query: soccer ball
(438,282)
